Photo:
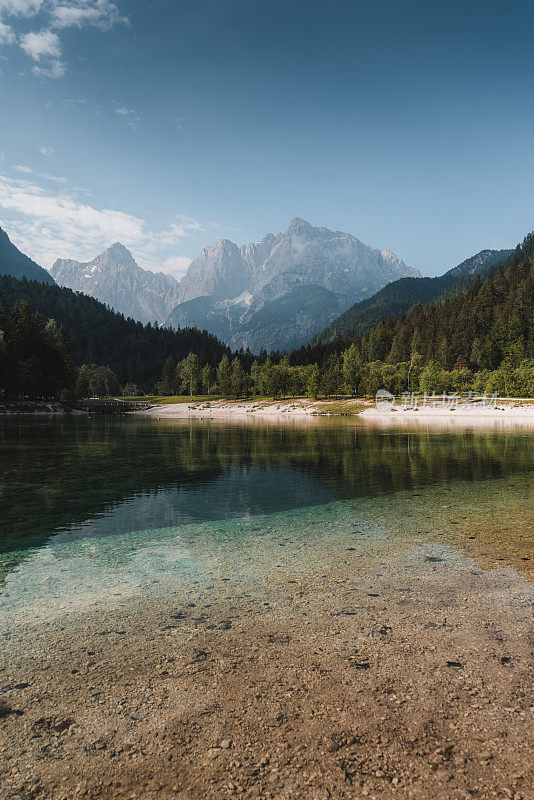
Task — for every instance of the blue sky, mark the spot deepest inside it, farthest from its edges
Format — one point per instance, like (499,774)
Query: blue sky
(169,124)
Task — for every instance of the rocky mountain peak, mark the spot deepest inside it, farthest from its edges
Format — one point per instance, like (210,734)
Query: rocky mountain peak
(299,227)
(306,274)
(119,251)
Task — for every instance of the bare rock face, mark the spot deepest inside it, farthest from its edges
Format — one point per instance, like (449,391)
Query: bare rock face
(277,292)
(218,272)
(116,279)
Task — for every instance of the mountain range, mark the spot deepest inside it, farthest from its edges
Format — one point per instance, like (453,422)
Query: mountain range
(276,293)
(308,283)
(270,294)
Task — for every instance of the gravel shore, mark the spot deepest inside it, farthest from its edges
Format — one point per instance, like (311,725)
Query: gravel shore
(386,680)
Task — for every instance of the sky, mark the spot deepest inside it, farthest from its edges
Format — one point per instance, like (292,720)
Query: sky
(169,124)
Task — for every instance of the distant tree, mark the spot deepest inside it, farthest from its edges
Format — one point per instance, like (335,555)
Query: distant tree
(332,378)
(96,381)
(268,379)
(190,373)
(237,379)
(224,376)
(130,390)
(255,377)
(168,377)
(314,382)
(207,378)
(352,368)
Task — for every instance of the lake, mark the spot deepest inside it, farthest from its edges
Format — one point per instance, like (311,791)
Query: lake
(93,509)
(358,594)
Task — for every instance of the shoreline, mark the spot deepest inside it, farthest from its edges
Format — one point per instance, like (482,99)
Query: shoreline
(508,413)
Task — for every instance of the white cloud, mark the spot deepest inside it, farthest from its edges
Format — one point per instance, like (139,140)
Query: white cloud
(44,44)
(44,48)
(130,115)
(46,151)
(54,178)
(55,69)
(21,8)
(102,13)
(45,175)
(6,34)
(49,225)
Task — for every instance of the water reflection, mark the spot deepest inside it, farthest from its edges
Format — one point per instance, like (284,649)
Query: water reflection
(87,480)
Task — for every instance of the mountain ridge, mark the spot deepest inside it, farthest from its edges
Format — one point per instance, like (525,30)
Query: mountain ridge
(116,279)
(399,296)
(18,265)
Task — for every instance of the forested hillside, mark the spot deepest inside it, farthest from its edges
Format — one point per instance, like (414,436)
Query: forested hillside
(399,296)
(482,338)
(135,352)
(35,356)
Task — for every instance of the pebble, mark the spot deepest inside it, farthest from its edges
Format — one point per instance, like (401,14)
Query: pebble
(226,744)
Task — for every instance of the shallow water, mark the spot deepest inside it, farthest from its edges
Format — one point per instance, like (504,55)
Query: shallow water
(105,510)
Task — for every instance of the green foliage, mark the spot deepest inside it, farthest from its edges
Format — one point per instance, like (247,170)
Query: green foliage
(35,359)
(130,390)
(224,376)
(314,382)
(352,368)
(96,381)
(135,352)
(207,379)
(189,370)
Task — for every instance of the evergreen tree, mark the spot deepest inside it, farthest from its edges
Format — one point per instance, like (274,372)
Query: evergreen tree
(168,377)
(237,379)
(314,382)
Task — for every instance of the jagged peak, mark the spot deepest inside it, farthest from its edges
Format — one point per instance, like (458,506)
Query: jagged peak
(118,249)
(220,246)
(299,225)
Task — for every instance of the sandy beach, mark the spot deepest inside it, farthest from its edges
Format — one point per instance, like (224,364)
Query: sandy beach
(509,413)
